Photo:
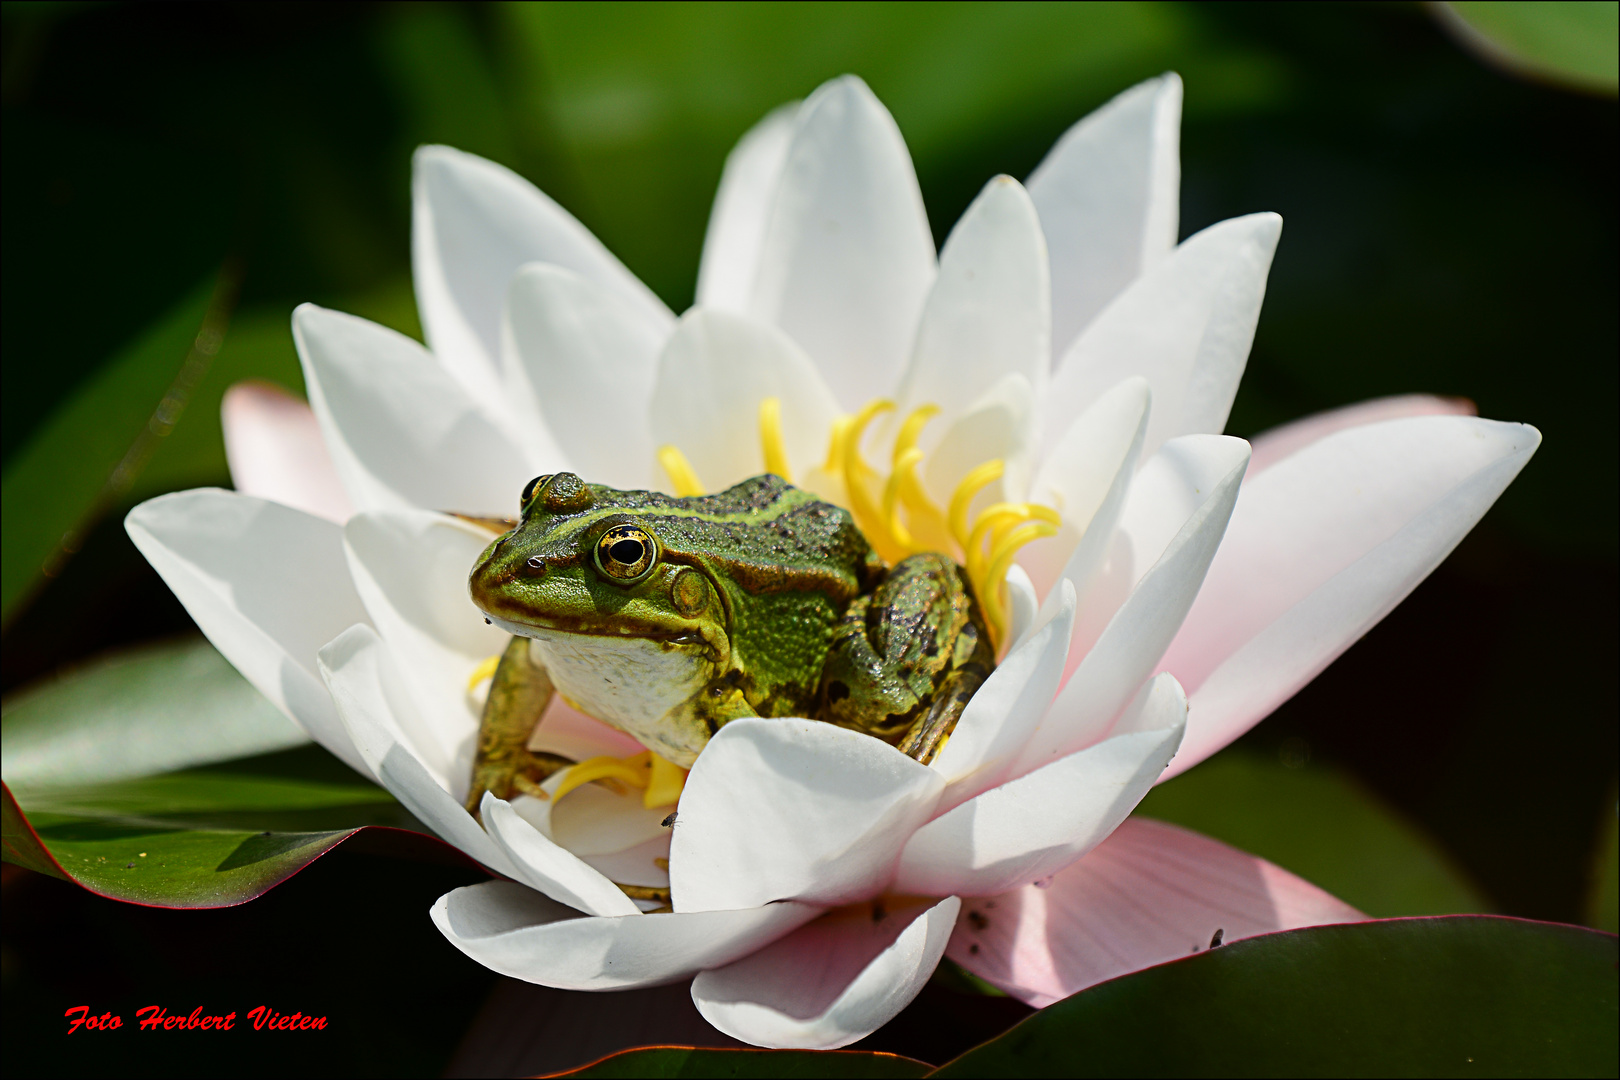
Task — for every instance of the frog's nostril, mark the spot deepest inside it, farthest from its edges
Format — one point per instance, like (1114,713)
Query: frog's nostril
(535,564)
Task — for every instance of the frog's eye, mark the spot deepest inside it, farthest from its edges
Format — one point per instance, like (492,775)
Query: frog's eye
(625,552)
(529,489)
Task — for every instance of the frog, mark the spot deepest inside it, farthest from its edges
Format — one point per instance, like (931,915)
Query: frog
(667,617)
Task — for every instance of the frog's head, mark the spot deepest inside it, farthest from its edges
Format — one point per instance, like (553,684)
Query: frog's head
(629,634)
(588,560)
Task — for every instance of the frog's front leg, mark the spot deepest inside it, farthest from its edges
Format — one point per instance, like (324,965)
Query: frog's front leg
(518,695)
(906,659)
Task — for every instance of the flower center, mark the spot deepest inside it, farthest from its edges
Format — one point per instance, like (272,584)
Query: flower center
(895,510)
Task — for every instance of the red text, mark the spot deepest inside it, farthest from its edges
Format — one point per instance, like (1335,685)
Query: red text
(157,1018)
(265,1017)
(79,1016)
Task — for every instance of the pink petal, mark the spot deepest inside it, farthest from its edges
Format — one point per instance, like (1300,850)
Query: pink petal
(1149,893)
(1279,442)
(832,981)
(273,444)
(1322,546)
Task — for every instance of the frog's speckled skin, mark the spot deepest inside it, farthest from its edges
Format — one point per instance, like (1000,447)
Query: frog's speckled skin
(792,614)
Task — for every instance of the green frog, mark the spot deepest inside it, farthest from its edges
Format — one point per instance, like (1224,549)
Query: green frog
(670,617)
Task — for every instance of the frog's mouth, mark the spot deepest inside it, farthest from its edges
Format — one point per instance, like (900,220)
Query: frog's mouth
(715,649)
(557,628)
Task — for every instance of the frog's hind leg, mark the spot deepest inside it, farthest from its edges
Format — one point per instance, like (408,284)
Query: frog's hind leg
(927,736)
(518,695)
(905,660)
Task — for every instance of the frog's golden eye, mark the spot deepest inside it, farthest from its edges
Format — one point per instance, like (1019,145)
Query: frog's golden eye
(625,552)
(529,489)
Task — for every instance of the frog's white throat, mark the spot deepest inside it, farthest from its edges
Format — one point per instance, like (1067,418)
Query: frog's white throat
(638,685)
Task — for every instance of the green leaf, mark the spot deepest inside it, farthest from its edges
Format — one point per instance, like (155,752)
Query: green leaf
(1320,824)
(103,788)
(661,1061)
(1570,43)
(200,837)
(1472,994)
(138,713)
(57,479)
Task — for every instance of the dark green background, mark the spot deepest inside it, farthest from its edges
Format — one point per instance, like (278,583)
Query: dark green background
(1448,229)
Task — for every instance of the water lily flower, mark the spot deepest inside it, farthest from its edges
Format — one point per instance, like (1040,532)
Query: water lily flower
(1044,398)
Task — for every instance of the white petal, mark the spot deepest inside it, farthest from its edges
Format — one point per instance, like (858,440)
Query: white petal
(379,714)
(549,867)
(831,982)
(1034,826)
(473,224)
(273,444)
(1177,513)
(410,568)
(1108,194)
(593,820)
(1005,711)
(714,372)
(847,257)
(1000,424)
(1280,442)
(988,314)
(1186,327)
(742,205)
(267,584)
(519,932)
(1322,546)
(1022,605)
(1148,894)
(1085,478)
(585,357)
(402,432)
(794,809)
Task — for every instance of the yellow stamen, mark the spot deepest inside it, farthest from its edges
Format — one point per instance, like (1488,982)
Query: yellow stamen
(659,781)
(971,485)
(993,515)
(634,771)
(835,444)
(770,438)
(485,670)
(995,575)
(857,474)
(916,420)
(904,466)
(680,472)
(664,785)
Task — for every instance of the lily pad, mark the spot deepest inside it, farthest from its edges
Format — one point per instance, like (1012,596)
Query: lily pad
(159,776)
(1418,997)
(138,712)
(661,1061)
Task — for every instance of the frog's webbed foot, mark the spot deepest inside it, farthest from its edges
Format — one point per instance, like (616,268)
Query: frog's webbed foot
(925,738)
(657,894)
(518,695)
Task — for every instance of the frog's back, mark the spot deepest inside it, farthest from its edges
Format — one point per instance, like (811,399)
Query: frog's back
(764,536)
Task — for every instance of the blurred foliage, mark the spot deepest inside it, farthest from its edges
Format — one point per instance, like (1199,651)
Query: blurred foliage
(1450,227)
(1320,823)
(1569,43)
